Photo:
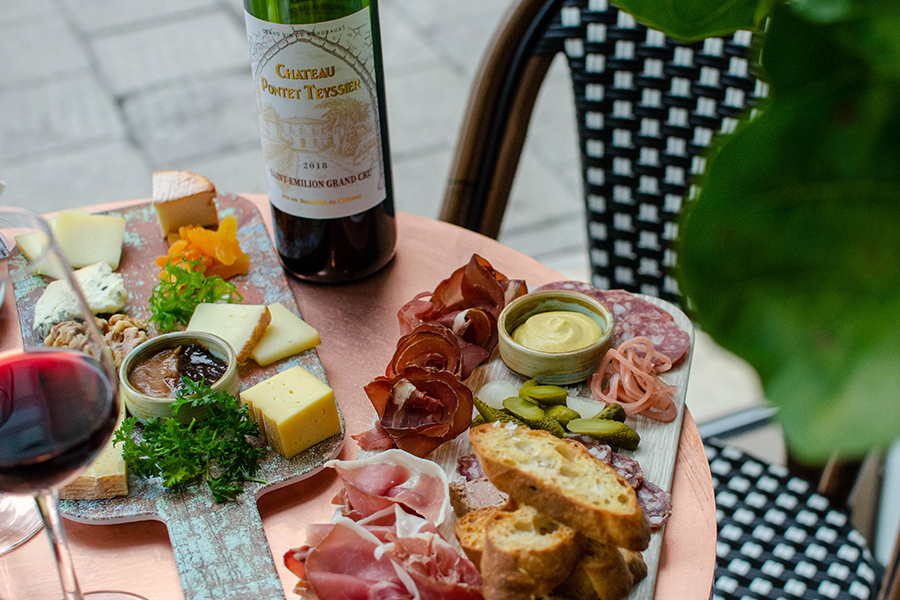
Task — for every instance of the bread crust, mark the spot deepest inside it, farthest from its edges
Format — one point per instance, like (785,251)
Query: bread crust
(470,531)
(526,554)
(561,479)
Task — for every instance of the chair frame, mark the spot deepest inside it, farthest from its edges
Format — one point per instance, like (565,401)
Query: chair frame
(487,156)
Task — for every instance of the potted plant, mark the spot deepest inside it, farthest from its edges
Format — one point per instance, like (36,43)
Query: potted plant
(790,255)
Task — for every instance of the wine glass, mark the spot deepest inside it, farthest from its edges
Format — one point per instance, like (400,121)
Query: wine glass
(58,405)
(19,518)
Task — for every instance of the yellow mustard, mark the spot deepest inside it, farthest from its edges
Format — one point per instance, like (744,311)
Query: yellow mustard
(558,331)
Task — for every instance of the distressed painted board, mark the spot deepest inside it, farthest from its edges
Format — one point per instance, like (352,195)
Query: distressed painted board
(656,453)
(220,549)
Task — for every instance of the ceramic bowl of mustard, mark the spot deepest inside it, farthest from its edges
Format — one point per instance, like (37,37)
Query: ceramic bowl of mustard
(144,372)
(557,337)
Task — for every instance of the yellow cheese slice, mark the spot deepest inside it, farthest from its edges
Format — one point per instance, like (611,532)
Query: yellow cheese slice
(32,245)
(106,477)
(89,239)
(183,198)
(241,325)
(286,335)
(294,411)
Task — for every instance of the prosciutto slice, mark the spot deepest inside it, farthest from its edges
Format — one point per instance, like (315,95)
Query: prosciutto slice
(394,477)
(390,556)
(421,408)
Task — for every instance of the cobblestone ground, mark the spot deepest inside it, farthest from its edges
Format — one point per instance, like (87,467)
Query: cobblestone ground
(97,94)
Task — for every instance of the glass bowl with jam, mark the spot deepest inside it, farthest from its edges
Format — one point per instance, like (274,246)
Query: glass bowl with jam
(152,373)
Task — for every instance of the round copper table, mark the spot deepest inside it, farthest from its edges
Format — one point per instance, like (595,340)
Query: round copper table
(359,329)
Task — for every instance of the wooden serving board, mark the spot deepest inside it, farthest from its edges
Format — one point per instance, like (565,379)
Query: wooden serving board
(656,452)
(220,549)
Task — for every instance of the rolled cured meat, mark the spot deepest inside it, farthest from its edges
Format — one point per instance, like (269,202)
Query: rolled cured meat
(421,408)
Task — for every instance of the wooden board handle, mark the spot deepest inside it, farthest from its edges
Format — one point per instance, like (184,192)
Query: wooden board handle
(221,550)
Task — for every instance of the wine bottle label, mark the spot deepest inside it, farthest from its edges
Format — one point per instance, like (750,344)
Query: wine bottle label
(318,115)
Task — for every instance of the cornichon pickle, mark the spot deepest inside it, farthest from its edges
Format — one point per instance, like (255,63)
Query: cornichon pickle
(562,413)
(551,425)
(613,433)
(522,408)
(491,414)
(478,420)
(543,394)
(612,412)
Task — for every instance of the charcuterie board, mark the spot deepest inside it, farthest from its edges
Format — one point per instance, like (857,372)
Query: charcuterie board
(656,452)
(220,549)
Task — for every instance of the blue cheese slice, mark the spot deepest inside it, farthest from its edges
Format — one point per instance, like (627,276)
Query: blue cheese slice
(103,290)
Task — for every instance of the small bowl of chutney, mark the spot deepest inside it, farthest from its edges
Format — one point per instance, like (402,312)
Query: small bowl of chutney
(151,374)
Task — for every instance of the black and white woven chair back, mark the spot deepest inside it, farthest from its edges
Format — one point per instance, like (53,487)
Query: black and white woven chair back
(647,109)
(778,539)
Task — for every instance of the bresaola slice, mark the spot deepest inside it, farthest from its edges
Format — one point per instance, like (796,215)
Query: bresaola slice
(421,402)
(635,317)
(421,408)
(427,346)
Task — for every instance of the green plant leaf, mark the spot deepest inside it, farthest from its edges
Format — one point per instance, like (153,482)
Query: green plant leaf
(791,255)
(692,20)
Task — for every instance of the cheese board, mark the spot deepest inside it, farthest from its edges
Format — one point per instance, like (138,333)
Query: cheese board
(656,453)
(220,550)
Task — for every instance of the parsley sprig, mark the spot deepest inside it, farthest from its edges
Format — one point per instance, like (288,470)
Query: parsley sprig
(182,287)
(216,447)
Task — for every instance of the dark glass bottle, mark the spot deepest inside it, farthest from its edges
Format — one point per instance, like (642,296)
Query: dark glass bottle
(323,122)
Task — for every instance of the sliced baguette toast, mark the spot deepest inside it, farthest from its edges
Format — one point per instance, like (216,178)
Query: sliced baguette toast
(526,554)
(562,480)
(603,575)
(470,531)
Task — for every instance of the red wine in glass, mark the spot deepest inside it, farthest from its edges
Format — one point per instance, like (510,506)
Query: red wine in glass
(56,414)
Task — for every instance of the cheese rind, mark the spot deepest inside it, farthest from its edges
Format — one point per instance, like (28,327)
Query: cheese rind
(182,198)
(241,325)
(286,335)
(294,411)
(106,477)
(89,239)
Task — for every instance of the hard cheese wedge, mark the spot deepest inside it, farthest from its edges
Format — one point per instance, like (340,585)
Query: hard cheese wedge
(241,325)
(183,198)
(106,477)
(89,239)
(32,245)
(286,335)
(294,411)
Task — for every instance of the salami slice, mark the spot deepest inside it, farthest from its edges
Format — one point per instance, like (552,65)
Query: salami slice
(656,503)
(572,286)
(623,304)
(666,336)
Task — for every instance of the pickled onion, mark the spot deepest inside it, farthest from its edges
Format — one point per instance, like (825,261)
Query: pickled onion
(629,376)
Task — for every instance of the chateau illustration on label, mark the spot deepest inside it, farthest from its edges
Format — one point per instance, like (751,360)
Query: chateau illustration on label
(318,107)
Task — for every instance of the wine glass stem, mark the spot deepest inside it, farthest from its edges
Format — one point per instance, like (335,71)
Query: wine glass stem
(48,505)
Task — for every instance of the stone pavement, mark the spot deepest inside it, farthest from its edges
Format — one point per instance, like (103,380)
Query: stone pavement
(97,94)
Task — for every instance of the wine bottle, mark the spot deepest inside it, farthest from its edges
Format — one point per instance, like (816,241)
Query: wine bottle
(319,81)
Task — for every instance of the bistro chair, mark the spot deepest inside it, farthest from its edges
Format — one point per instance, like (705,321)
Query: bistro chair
(647,107)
